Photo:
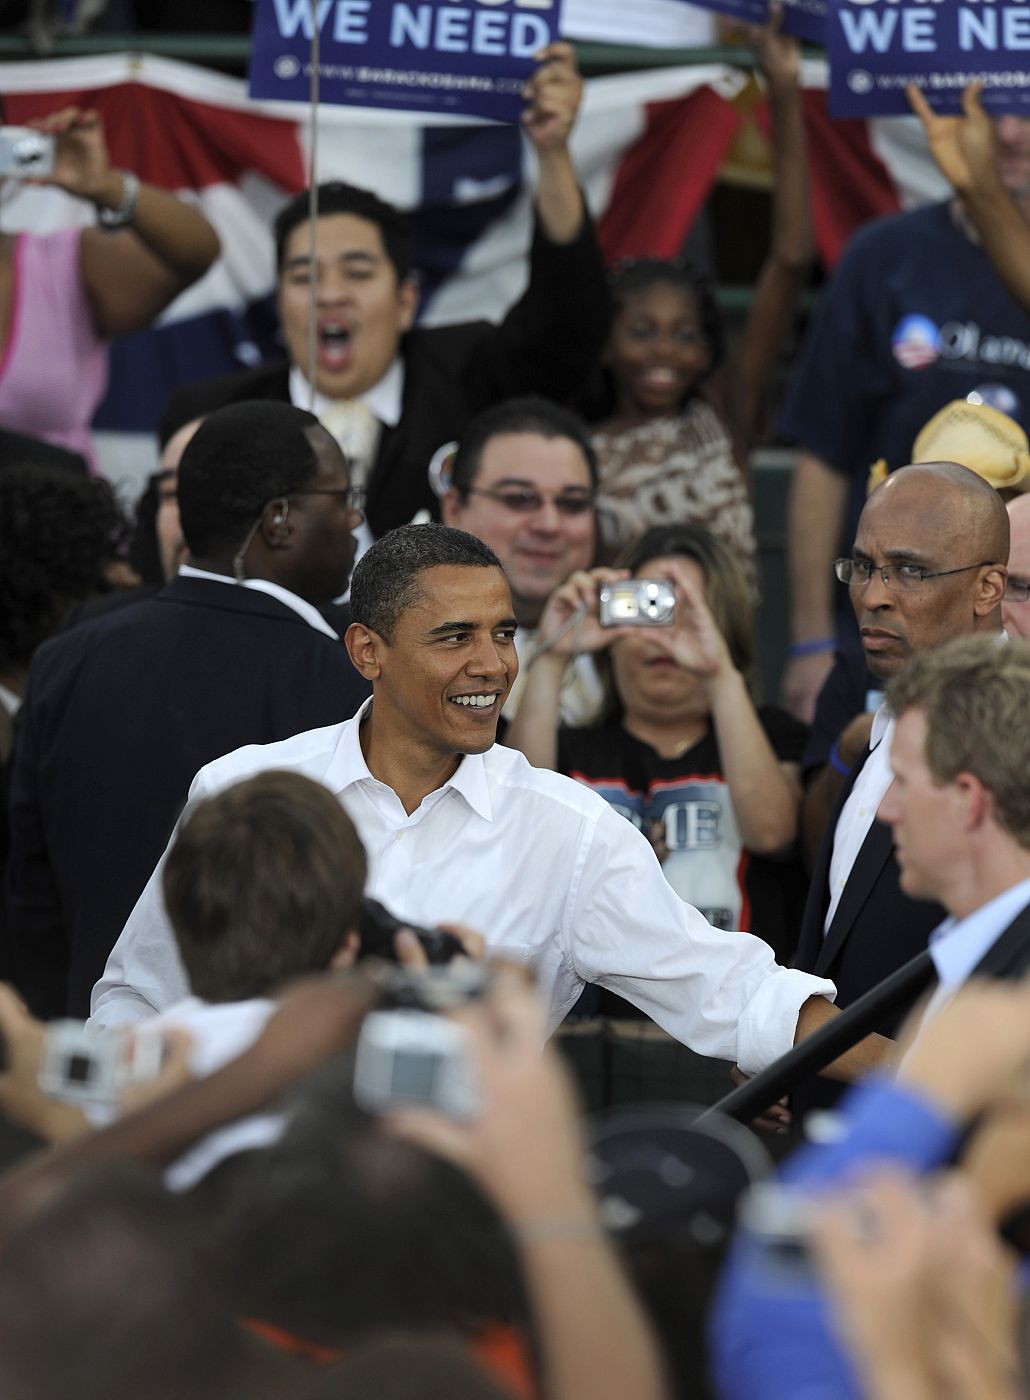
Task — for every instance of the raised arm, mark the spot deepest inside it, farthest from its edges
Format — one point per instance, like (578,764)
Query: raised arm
(766,794)
(568,626)
(132,273)
(782,277)
(554,93)
(964,149)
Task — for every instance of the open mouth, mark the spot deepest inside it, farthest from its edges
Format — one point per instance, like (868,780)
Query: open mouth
(334,344)
(482,702)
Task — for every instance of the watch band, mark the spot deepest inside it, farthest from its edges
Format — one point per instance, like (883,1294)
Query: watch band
(124,214)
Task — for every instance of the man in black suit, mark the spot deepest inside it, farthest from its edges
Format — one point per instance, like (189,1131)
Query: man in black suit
(928,566)
(120,712)
(393,395)
(959,805)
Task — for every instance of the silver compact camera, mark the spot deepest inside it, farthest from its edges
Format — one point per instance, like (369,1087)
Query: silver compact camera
(414,1059)
(25,153)
(92,1065)
(637,602)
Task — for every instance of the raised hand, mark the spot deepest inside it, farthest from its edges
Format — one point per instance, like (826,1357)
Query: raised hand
(964,146)
(553,95)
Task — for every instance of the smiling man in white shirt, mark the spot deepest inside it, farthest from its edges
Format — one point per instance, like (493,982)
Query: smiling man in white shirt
(460,829)
(959,805)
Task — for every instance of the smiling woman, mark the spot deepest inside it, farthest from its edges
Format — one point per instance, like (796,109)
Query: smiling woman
(682,752)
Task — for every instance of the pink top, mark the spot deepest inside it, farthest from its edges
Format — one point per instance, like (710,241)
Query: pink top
(53,372)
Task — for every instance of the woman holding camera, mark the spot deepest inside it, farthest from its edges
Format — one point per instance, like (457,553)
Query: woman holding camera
(63,295)
(681,750)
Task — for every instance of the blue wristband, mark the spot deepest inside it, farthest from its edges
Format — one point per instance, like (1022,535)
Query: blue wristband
(797,649)
(837,762)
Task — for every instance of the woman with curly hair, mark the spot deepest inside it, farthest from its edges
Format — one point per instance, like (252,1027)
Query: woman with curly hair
(59,535)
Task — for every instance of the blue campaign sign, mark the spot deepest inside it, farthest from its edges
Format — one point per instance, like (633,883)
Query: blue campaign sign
(465,57)
(877,47)
(747,11)
(806,19)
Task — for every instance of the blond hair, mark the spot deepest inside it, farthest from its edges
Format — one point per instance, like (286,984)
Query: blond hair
(975,694)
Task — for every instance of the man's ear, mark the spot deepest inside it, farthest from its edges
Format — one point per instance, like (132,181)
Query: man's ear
(450,507)
(365,648)
(275,524)
(346,954)
(407,303)
(977,802)
(992,590)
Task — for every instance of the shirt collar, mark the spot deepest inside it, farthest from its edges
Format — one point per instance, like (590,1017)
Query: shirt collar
(384,399)
(957,945)
(347,767)
(300,606)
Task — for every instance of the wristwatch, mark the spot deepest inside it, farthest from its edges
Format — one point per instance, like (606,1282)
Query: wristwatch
(124,214)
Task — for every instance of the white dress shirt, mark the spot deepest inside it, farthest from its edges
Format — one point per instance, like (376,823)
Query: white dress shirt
(582,694)
(958,945)
(300,606)
(859,810)
(543,866)
(384,402)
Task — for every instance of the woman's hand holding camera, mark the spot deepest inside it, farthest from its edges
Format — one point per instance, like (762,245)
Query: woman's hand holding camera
(695,643)
(570,623)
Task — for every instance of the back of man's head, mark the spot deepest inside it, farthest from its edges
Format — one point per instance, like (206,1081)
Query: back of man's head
(337,197)
(263,883)
(975,695)
(386,581)
(240,458)
(340,1231)
(530,414)
(111,1288)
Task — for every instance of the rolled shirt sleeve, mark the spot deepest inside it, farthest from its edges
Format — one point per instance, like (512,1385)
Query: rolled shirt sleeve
(719,992)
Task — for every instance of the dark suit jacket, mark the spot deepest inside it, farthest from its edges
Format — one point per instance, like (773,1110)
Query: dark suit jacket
(119,715)
(876,928)
(548,343)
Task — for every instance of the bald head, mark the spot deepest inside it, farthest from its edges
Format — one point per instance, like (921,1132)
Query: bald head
(943,534)
(960,506)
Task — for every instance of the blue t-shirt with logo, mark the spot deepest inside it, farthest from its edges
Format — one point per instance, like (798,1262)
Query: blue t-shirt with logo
(914,317)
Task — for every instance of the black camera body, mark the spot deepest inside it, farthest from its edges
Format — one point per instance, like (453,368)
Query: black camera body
(378,926)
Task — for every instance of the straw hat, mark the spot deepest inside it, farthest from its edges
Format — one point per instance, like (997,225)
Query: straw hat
(976,436)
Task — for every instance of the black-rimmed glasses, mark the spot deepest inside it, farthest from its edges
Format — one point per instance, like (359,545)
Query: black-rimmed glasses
(354,495)
(524,500)
(856,573)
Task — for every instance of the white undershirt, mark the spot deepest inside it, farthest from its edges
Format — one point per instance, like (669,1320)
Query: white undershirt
(859,810)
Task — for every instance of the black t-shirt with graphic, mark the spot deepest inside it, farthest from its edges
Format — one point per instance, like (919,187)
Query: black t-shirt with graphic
(703,857)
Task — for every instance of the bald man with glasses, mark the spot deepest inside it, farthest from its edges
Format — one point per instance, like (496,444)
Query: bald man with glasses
(524,481)
(928,565)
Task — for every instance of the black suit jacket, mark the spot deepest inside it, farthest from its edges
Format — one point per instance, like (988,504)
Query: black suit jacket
(875,929)
(548,343)
(119,715)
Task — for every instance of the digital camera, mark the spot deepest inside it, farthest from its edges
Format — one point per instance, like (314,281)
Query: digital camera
(637,602)
(25,152)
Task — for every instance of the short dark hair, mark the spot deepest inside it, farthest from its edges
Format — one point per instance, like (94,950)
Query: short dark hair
(337,197)
(385,581)
(263,881)
(57,530)
(531,414)
(240,458)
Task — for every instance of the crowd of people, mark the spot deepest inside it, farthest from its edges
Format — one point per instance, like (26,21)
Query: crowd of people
(416,711)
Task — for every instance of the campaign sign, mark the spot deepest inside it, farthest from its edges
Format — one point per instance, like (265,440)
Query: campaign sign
(806,19)
(747,11)
(464,57)
(877,47)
